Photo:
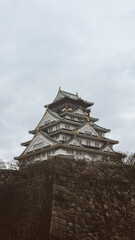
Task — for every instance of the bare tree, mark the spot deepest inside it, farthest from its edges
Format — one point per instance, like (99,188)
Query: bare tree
(2,164)
(13,165)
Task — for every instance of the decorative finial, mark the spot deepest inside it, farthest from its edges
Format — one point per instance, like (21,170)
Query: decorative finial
(59,89)
(88,119)
(77,93)
(47,107)
(38,128)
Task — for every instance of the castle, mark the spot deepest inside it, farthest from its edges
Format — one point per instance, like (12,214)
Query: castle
(68,129)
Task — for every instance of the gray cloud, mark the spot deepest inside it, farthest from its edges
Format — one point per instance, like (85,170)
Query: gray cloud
(86,46)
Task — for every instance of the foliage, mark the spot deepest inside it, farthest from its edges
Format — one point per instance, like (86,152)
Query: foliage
(130,159)
(2,164)
(13,165)
(113,169)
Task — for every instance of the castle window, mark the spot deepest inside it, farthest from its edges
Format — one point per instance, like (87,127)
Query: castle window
(71,117)
(96,144)
(38,145)
(88,132)
(65,138)
(78,153)
(67,126)
(70,151)
(50,129)
(48,153)
(88,142)
(46,122)
(68,117)
(43,154)
(57,127)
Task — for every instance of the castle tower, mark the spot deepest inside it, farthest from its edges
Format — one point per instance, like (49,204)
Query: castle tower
(68,129)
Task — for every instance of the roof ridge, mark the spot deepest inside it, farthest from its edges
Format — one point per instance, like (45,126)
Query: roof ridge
(100,127)
(68,93)
(105,145)
(54,114)
(81,125)
(47,135)
(73,138)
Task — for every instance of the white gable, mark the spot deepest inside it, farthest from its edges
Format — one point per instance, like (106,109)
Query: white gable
(46,119)
(108,149)
(88,129)
(79,111)
(58,97)
(75,143)
(38,142)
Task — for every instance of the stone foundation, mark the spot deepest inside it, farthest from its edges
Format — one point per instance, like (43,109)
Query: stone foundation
(55,200)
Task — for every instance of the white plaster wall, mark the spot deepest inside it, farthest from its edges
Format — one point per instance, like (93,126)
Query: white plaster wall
(60,151)
(60,126)
(61,137)
(70,117)
(92,142)
(37,140)
(46,119)
(76,153)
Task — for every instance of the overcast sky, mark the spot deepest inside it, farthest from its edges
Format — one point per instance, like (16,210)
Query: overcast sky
(85,46)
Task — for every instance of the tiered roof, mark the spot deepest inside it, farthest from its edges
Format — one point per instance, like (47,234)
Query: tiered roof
(67,128)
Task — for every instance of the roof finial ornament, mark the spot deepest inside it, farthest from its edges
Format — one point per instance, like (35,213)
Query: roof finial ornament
(77,93)
(59,89)
(38,128)
(47,107)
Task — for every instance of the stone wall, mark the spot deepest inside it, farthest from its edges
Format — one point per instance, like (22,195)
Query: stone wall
(8,176)
(55,200)
(25,205)
(86,209)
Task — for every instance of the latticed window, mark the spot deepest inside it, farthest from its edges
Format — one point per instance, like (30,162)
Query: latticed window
(70,151)
(57,136)
(88,142)
(65,138)
(46,122)
(78,152)
(71,117)
(49,153)
(50,129)
(96,144)
(57,127)
(88,132)
(67,126)
(38,145)
(43,154)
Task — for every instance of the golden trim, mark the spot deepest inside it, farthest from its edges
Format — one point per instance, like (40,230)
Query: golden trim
(38,127)
(38,134)
(46,113)
(64,109)
(52,144)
